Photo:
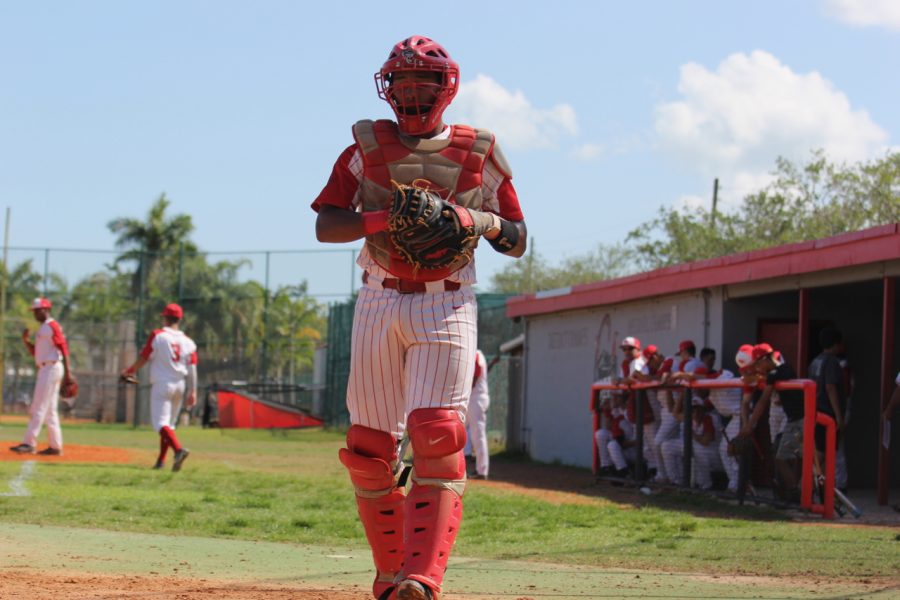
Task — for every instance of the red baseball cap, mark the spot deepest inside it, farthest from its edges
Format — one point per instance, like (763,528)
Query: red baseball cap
(687,345)
(631,342)
(744,358)
(41,303)
(761,351)
(173,310)
(650,350)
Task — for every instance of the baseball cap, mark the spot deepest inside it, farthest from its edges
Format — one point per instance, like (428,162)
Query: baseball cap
(172,310)
(761,351)
(41,303)
(686,345)
(631,342)
(650,350)
(744,358)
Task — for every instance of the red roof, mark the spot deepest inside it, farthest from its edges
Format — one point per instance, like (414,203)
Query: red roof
(845,250)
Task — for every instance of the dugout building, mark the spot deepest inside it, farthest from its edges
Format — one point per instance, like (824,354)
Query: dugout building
(783,295)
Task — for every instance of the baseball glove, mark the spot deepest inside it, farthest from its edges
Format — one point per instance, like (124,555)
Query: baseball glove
(69,389)
(427,231)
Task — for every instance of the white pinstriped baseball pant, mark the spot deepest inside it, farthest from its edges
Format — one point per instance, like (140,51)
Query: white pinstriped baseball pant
(410,351)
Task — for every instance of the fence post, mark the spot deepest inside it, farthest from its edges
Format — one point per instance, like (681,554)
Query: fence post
(46,270)
(265,341)
(139,330)
(687,406)
(180,272)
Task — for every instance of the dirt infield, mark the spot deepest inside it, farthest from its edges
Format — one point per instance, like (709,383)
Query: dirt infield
(72,453)
(55,586)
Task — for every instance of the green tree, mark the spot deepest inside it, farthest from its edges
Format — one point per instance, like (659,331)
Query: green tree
(533,273)
(296,326)
(805,201)
(151,239)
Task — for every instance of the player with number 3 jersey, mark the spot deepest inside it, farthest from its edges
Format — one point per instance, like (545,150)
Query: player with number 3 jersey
(172,356)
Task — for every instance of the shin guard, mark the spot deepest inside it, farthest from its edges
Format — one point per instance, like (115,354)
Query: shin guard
(434,503)
(374,466)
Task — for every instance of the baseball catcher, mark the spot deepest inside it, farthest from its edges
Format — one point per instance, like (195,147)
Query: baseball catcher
(421,192)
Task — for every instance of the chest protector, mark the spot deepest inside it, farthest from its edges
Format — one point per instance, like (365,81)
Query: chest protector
(453,168)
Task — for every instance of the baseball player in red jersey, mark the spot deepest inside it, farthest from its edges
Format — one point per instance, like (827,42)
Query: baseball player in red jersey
(414,330)
(51,355)
(173,375)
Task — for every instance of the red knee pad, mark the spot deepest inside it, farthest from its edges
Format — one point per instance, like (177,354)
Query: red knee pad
(369,457)
(438,437)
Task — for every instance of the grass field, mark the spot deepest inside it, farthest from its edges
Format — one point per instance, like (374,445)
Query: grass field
(287,490)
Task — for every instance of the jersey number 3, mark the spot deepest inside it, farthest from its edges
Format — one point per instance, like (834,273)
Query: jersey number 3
(176,352)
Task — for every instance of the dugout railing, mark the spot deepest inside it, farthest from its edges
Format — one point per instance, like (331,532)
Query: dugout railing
(811,418)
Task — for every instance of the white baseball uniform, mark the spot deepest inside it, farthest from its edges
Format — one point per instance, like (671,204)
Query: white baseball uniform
(172,355)
(413,350)
(476,418)
(639,365)
(49,347)
(727,402)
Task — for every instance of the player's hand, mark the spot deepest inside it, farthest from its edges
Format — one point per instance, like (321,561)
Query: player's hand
(26,335)
(191,399)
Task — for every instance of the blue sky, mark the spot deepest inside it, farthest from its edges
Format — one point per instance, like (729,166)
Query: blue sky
(606,111)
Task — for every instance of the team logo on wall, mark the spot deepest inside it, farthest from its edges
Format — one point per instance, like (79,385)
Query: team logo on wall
(605,349)
(408,56)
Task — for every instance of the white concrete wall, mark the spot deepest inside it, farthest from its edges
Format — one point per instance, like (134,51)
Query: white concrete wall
(566,352)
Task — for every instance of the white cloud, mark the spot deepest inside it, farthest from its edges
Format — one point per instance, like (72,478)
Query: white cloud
(735,121)
(866,13)
(587,152)
(482,102)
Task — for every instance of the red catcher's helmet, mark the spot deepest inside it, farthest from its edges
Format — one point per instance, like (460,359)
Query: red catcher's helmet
(418,54)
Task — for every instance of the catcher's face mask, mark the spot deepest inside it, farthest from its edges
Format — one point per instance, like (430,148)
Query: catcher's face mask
(418,80)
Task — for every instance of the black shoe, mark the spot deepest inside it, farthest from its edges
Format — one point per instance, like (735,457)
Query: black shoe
(477,476)
(179,458)
(410,589)
(23,449)
(50,452)
(160,463)
(621,474)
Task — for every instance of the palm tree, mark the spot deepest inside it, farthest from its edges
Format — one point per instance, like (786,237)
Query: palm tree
(151,239)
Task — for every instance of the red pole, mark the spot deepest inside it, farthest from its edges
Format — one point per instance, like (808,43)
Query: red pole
(803,333)
(809,444)
(887,362)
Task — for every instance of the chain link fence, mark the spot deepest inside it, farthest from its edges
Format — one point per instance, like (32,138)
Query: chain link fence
(256,317)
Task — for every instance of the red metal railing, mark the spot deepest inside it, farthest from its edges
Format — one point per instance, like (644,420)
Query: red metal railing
(810,419)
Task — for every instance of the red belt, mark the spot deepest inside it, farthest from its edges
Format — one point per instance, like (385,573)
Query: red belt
(407,286)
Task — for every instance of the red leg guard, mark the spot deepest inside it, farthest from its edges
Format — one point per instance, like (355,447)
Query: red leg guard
(371,457)
(434,504)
